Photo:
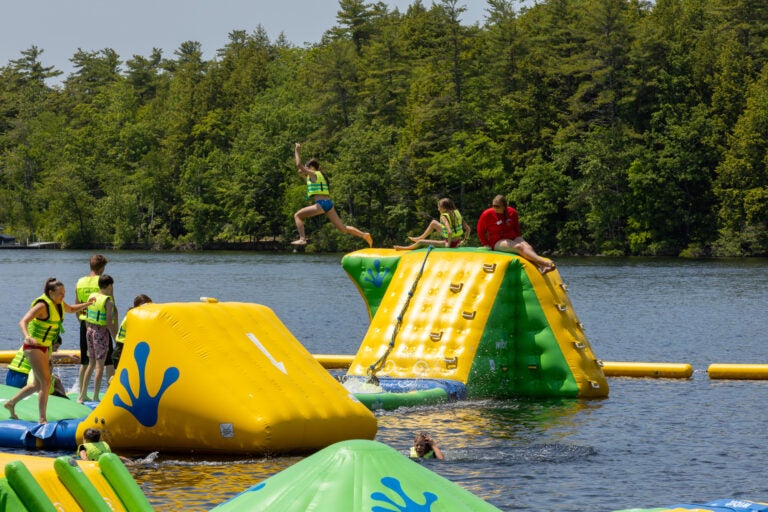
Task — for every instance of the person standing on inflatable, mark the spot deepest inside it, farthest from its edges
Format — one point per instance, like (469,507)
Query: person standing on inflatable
(85,286)
(499,230)
(102,327)
(41,326)
(317,191)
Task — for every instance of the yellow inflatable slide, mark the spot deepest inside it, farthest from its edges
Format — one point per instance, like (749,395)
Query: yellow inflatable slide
(222,378)
(488,320)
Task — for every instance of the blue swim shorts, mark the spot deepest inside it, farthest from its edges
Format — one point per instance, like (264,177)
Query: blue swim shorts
(325,204)
(16,379)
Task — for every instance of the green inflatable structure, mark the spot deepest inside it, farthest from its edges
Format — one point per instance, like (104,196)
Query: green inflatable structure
(486,320)
(357,475)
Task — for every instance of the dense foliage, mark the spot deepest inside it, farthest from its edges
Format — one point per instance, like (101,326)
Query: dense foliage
(614,126)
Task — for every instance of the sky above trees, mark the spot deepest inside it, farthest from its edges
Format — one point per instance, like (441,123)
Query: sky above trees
(60,28)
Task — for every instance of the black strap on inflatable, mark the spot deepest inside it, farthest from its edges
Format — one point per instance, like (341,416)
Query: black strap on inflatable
(378,365)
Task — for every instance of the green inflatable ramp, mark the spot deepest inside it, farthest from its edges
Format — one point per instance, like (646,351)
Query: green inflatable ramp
(357,475)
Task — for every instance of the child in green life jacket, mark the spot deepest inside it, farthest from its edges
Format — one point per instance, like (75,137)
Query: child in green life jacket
(93,446)
(424,447)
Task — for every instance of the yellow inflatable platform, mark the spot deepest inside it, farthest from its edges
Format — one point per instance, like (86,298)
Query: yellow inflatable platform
(216,377)
(489,320)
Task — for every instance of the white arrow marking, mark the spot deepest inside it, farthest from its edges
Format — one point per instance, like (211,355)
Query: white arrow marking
(255,340)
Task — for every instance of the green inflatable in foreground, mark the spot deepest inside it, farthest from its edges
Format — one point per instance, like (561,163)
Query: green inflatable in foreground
(357,475)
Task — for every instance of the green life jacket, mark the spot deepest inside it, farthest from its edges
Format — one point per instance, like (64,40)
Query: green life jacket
(20,363)
(46,331)
(120,338)
(97,312)
(457,228)
(94,450)
(429,455)
(83,289)
(318,187)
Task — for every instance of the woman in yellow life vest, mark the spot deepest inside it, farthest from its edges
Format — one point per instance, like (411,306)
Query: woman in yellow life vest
(454,228)
(101,318)
(318,191)
(41,327)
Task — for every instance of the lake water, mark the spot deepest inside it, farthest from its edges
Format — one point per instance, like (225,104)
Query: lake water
(653,442)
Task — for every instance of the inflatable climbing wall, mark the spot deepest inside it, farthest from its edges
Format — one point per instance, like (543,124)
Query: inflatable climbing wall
(487,319)
(222,378)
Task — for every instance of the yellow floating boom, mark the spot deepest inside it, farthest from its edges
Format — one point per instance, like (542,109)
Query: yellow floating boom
(738,371)
(659,370)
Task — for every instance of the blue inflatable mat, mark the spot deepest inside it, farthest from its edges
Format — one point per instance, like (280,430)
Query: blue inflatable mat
(728,505)
(456,390)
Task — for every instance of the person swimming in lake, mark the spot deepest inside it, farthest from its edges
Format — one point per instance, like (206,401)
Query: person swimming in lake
(318,191)
(425,447)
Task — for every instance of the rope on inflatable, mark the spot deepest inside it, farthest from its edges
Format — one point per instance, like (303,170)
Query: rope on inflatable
(378,365)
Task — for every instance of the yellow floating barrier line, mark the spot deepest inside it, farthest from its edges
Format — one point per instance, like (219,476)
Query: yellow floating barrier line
(738,371)
(639,369)
(334,362)
(59,357)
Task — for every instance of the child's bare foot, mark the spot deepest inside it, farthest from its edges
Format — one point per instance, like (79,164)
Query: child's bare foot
(367,238)
(42,421)
(414,238)
(11,410)
(82,399)
(300,241)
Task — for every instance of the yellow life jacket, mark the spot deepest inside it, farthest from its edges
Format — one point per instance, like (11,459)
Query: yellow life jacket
(120,338)
(97,312)
(46,331)
(317,187)
(20,363)
(457,228)
(429,455)
(83,289)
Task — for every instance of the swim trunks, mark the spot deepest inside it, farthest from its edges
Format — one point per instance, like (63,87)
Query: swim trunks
(325,204)
(98,341)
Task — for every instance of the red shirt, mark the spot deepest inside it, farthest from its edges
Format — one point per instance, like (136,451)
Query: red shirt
(492,227)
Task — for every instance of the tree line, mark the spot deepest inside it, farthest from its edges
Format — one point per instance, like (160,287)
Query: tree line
(615,127)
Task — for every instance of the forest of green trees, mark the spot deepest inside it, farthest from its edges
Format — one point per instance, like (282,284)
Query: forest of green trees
(615,127)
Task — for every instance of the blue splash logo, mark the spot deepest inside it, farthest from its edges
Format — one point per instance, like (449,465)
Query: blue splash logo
(144,407)
(256,487)
(410,505)
(377,278)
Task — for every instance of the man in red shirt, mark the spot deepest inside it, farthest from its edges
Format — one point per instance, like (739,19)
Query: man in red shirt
(499,230)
